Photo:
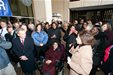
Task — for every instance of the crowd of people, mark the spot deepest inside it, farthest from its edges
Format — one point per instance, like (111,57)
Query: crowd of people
(85,46)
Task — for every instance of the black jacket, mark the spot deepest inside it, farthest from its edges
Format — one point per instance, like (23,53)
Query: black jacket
(51,32)
(100,44)
(28,33)
(107,66)
(27,50)
(46,30)
(70,39)
(10,37)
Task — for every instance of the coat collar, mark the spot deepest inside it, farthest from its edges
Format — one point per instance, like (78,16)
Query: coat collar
(78,48)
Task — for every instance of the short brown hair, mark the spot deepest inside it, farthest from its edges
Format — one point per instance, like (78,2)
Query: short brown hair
(86,38)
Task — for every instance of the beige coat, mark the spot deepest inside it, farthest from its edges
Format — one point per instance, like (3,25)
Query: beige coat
(62,41)
(81,60)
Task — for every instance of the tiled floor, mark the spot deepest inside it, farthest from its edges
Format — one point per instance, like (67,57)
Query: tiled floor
(66,71)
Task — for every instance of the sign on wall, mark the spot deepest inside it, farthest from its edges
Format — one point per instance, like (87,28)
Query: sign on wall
(5,8)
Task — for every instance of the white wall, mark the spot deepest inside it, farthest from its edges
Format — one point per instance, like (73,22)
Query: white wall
(42,10)
(62,7)
(86,3)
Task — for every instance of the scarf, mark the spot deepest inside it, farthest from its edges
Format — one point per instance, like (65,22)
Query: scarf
(107,52)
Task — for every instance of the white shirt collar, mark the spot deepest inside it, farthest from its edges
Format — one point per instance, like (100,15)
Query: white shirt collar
(21,39)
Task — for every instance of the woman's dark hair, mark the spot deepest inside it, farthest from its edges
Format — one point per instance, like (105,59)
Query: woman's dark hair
(59,48)
(86,38)
(55,42)
(46,23)
(37,26)
(69,28)
(55,24)
(60,22)
(9,27)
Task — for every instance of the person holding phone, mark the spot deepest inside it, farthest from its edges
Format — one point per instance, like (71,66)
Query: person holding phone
(81,60)
(70,38)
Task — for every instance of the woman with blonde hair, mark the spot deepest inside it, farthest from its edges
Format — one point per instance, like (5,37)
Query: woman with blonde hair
(31,27)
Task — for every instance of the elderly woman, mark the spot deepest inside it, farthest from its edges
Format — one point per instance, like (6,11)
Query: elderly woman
(31,27)
(63,31)
(55,52)
(81,60)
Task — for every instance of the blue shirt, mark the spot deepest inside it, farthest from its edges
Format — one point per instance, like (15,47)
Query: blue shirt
(39,38)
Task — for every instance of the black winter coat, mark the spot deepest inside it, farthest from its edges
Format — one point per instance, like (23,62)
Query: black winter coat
(27,50)
(99,47)
(51,32)
(70,39)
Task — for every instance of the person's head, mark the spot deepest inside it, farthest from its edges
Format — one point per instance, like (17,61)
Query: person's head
(31,26)
(89,27)
(24,27)
(55,45)
(100,23)
(89,22)
(72,27)
(53,21)
(9,22)
(46,25)
(38,27)
(65,26)
(81,21)
(16,25)
(54,26)
(85,38)
(3,24)
(96,29)
(37,22)
(85,24)
(9,29)
(30,22)
(75,22)
(107,26)
(21,33)
(43,21)
(97,23)
(20,23)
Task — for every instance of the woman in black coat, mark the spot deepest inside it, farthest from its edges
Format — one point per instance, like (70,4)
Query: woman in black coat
(9,37)
(98,48)
(54,34)
(70,38)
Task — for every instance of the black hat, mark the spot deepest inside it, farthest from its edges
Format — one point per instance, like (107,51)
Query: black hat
(99,28)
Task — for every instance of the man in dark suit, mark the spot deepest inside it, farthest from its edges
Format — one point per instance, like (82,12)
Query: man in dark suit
(23,47)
